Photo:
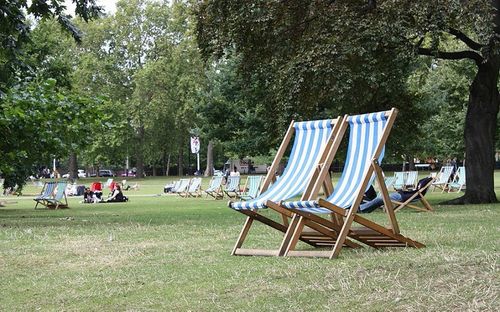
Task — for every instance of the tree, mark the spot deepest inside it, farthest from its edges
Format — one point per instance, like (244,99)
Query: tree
(326,55)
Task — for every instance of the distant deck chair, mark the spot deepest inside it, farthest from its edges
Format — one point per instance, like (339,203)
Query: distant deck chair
(311,140)
(458,181)
(400,180)
(389,182)
(367,137)
(194,189)
(53,195)
(251,188)
(232,187)
(183,186)
(46,193)
(411,179)
(418,194)
(443,178)
(59,200)
(215,188)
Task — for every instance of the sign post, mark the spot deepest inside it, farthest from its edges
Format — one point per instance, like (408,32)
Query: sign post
(195,149)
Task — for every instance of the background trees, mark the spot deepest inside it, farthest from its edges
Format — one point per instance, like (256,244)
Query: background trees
(351,56)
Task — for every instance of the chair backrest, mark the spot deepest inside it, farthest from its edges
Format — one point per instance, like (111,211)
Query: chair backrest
(194,185)
(215,183)
(183,185)
(367,132)
(48,189)
(176,186)
(253,186)
(108,182)
(400,178)
(233,184)
(96,186)
(444,175)
(411,178)
(61,188)
(310,140)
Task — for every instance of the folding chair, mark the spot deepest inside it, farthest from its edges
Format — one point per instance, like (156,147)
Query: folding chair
(458,181)
(46,193)
(194,189)
(251,188)
(311,139)
(443,178)
(53,195)
(215,188)
(232,188)
(59,200)
(417,194)
(367,137)
(183,186)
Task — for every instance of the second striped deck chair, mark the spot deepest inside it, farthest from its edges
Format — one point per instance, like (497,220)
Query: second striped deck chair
(53,195)
(311,140)
(367,137)
(215,188)
(251,188)
(443,178)
(232,188)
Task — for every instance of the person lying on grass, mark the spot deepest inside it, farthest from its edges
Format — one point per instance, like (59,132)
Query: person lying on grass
(375,202)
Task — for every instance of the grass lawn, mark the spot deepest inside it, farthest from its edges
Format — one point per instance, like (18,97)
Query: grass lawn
(173,254)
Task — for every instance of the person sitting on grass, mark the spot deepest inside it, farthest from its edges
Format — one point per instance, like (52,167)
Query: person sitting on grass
(399,196)
(117,195)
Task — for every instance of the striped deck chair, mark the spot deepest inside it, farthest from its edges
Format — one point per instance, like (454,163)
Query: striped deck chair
(411,179)
(183,186)
(59,200)
(458,181)
(367,137)
(194,189)
(46,193)
(215,188)
(443,178)
(53,195)
(311,140)
(400,179)
(251,188)
(389,182)
(232,188)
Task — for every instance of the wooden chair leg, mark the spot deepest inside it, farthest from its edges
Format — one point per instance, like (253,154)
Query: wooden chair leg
(243,234)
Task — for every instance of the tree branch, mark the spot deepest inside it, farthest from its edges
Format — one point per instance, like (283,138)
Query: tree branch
(458,55)
(465,39)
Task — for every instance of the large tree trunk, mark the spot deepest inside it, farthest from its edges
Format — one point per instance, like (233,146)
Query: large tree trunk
(480,129)
(73,166)
(209,171)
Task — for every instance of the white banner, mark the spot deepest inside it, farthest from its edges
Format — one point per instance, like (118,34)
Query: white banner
(195,145)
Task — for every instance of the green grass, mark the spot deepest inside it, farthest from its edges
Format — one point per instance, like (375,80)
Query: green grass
(169,253)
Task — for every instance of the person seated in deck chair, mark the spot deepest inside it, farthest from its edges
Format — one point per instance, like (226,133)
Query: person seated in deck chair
(400,196)
(117,195)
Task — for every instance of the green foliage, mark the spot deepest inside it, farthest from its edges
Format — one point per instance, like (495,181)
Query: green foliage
(38,123)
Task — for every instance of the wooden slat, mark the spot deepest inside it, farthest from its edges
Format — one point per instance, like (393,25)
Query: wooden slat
(255,252)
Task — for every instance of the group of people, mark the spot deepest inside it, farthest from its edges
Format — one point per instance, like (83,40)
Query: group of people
(95,196)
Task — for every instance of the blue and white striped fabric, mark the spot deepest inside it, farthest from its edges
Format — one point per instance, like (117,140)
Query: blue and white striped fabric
(310,139)
(366,131)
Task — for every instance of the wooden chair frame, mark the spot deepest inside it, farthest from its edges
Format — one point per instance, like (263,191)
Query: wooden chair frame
(320,178)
